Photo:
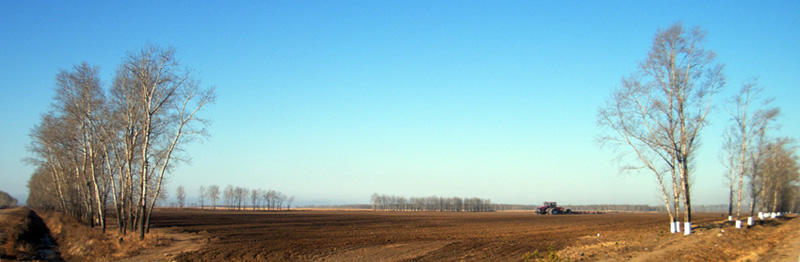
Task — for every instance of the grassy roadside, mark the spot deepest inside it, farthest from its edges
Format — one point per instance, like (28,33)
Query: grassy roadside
(22,229)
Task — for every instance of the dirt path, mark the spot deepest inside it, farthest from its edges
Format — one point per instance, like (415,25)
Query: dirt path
(180,242)
(788,250)
(669,246)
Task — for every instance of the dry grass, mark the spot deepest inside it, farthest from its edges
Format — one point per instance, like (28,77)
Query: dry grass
(83,243)
(713,241)
(18,234)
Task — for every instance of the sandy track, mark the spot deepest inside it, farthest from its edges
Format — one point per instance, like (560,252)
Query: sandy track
(179,242)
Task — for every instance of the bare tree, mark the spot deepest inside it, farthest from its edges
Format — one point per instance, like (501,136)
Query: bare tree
(280,198)
(202,196)
(780,172)
(158,101)
(254,196)
(67,144)
(270,198)
(375,199)
(751,115)
(180,194)
(267,196)
(122,147)
(755,172)
(659,111)
(229,195)
(729,160)
(213,195)
(240,197)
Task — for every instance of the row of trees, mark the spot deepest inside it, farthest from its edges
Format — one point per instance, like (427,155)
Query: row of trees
(767,165)
(239,197)
(771,173)
(658,112)
(431,203)
(96,145)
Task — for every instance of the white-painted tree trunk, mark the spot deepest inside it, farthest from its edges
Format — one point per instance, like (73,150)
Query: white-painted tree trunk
(687,228)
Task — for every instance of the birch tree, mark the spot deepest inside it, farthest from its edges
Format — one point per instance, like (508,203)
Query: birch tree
(750,116)
(229,195)
(213,195)
(658,112)
(780,172)
(67,144)
(164,100)
(89,148)
(180,194)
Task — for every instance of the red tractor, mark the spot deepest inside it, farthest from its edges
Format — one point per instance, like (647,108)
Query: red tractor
(552,208)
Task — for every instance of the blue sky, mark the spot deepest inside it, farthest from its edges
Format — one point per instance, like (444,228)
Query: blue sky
(331,101)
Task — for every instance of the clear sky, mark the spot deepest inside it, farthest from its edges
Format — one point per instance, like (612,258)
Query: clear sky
(331,101)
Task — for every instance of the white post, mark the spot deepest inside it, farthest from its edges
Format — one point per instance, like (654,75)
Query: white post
(677,227)
(672,227)
(738,223)
(772,215)
(730,218)
(750,221)
(761,215)
(687,228)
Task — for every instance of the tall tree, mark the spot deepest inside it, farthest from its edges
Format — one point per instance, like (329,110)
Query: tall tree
(229,195)
(780,172)
(180,194)
(67,143)
(659,111)
(88,147)
(254,196)
(213,195)
(750,115)
(202,196)
(163,100)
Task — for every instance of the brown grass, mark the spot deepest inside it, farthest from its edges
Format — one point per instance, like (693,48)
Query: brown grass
(79,242)
(18,235)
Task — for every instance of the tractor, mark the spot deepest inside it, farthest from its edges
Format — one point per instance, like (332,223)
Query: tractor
(552,208)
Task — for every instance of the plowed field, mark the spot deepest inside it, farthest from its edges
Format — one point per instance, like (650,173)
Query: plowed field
(425,236)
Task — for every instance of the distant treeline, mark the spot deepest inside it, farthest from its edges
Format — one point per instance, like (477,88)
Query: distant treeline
(431,203)
(353,206)
(391,206)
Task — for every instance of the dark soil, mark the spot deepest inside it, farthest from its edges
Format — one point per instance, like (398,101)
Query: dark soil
(400,236)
